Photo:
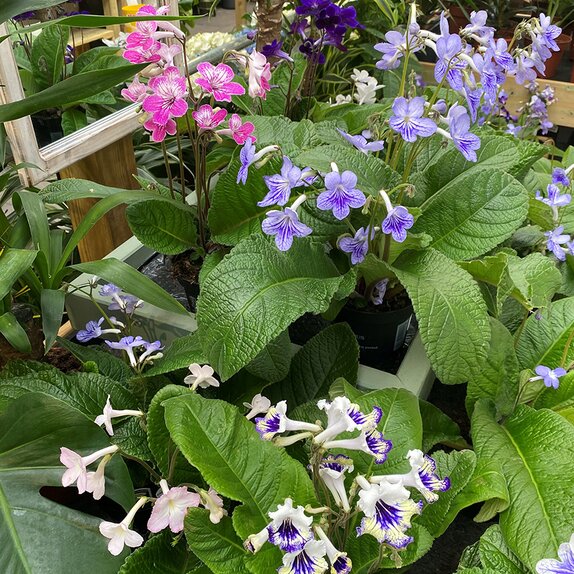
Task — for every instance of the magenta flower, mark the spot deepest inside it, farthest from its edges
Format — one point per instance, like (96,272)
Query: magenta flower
(217,80)
(135,92)
(139,55)
(171,507)
(208,118)
(239,131)
(168,100)
(149,10)
(408,119)
(259,75)
(340,194)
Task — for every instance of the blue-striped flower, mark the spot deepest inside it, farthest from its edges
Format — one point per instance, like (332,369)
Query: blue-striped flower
(564,564)
(340,562)
(276,422)
(388,512)
(370,441)
(290,528)
(308,560)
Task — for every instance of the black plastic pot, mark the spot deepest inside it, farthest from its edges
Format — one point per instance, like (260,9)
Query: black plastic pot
(48,128)
(381,335)
(191,292)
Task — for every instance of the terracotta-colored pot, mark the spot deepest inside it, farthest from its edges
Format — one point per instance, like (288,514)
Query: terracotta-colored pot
(553,62)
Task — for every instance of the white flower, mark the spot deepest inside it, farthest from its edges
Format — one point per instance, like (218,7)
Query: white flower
(290,528)
(76,466)
(110,413)
(332,471)
(360,76)
(254,542)
(171,507)
(367,93)
(96,481)
(308,559)
(258,405)
(340,562)
(214,503)
(340,99)
(120,534)
(200,377)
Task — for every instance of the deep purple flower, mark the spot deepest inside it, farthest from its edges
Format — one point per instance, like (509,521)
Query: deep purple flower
(358,245)
(397,222)
(24,16)
(274,50)
(312,7)
(310,48)
(340,194)
(448,64)
(284,225)
(408,119)
(551,377)
(362,143)
(559,175)
(298,27)
(554,241)
(459,126)
(281,184)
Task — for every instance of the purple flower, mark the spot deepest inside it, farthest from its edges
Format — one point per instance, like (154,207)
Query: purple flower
(249,156)
(554,240)
(126,303)
(555,198)
(478,25)
(448,64)
(408,119)
(379,291)
(498,50)
(274,50)
(312,7)
(358,245)
(513,130)
(523,69)
(564,564)
(397,222)
(551,377)
(473,97)
(361,141)
(549,32)
(128,344)
(340,194)
(93,330)
(560,176)
(393,50)
(284,225)
(489,76)
(459,125)
(281,184)
(108,290)
(310,48)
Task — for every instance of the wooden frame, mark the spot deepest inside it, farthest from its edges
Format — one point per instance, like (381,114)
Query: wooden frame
(54,157)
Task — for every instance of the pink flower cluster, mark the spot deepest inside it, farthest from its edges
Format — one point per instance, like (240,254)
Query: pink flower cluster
(208,118)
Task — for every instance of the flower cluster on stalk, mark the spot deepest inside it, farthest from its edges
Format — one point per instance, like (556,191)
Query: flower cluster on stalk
(306,534)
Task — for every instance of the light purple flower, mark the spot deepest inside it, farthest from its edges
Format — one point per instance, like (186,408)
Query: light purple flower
(126,303)
(549,32)
(564,564)
(93,330)
(498,50)
(362,143)
(357,246)
(340,194)
(478,25)
(393,50)
(555,199)
(248,156)
(551,377)
(448,64)
(459,126)
(281,184)
(397,221)
(109,289)
(490,78)
(473,97)
(284,225)
(555,240)
(513,130)
(523,69)
(128,344)
(559,175)
(379,290)
(408,119)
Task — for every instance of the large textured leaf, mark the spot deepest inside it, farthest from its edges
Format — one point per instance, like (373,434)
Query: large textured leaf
(163,227)
(373,173)
(452,315)
(495,553)
(273,363)
(543,340)
(331,354)
(13,263)
(536,452)
(217,545)
(470,219)
(255,293)
(497,376)
(159,554)
(179,355)
(36,534)
(560,400)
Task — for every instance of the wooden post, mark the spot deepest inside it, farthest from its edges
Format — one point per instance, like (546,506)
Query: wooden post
(240,10)
(115,166)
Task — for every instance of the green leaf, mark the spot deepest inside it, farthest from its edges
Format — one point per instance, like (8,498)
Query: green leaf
(496,377)
(208,433)
(133,282)
(108,365)
(71,188)
(52,305)
(272,363)
(179,355)
(13,263)
(69,91)
(14,333)
(163,227)
(451,312)
(560,400)
(543,341)
(329,355)
(438,428)
(495,553)
(373,173)
(216,545)
(73,120)
(536,452)
(255,293)
(36,533)
(47,55)
(159,554)
(468,220)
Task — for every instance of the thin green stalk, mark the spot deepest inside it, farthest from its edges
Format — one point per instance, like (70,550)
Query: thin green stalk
(168,169)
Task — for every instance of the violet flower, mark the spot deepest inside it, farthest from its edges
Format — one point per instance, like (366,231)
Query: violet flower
(379,291)
(498,50)
(459,127)
(551,377)
(274,50)
(285,225)
(559,175)
(448,64)
(397,221)
(362,143)
(478,27)
(564,564)
(358,245)
(555,199)
(128,344)
(249,156)
(340,194)
(408,119)
(281,184)
(94,330)
(554,241)
(393,50)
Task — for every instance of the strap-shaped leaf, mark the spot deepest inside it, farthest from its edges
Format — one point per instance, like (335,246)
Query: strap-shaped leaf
(13,263)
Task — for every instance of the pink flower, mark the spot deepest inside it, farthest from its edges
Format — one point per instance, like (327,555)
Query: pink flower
(208,118)
(168,53)
(259,75)
(159,131)
(214,503)
(148,10)
(171,507)
(239,131)
(170,73)
(76,466)
(217,80)
(168,100)
(135,92)
(139,55)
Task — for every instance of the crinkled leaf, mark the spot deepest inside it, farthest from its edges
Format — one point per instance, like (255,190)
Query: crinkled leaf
(495,553)
(179,355)
(272,363)
(560,400)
